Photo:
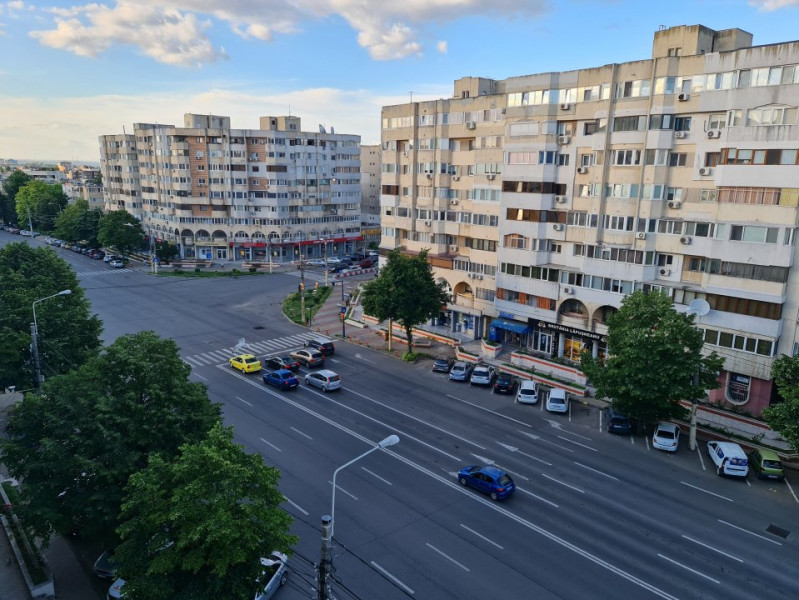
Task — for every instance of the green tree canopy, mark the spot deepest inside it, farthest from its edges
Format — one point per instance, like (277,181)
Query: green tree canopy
(784,416)
(76,444)
(655,360)
(39,203)
(196,528)
(78,223)
(120,229)
(404,292)
(11,186)
(68,334)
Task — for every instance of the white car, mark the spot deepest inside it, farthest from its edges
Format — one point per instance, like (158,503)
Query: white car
(324,379)
(558,401)
(275,574)
(116,264)
(528,392)
(729,458)
(666,437)
(482,375)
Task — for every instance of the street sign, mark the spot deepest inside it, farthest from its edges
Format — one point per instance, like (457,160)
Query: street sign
(207,256)
(343,310)
(155,259)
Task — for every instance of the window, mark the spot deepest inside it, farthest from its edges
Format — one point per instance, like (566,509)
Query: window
(514,240)
(661,122)
(635,123)
(582,219)
(771,115)
(752,233)
(658,158)
(717,121)
(625,157)
(677,159)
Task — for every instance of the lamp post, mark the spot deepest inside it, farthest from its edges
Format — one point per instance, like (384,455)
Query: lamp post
(699,308)
(343,313)
(37,370)
(327,520)
(302,284)
(324,241)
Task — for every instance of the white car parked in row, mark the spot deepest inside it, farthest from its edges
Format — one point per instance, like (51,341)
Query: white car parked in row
(558,401)
(729,459)
(528,392)
(666,437)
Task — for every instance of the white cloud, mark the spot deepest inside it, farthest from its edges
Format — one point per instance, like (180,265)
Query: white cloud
(769,5)
(442,46)
(386,29)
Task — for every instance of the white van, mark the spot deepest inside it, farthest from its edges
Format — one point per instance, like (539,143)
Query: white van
(729,458)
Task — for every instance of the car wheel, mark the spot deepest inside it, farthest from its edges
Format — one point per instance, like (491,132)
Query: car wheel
(493,495)
(307,381)
(719,471)
(462,480)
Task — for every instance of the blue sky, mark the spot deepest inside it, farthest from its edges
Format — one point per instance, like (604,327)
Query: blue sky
(72,71)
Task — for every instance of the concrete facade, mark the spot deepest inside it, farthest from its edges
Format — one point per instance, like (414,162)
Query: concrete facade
(544,199)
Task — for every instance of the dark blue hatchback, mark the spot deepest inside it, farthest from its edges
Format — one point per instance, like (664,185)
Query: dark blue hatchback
(282,379)
(490,480)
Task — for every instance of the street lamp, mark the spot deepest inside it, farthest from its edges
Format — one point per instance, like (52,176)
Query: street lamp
(327,520)
(37,371)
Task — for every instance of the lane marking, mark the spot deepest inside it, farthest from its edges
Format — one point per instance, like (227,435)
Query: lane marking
(517,451)
(701,460)
(392,578)
(449,558)
(375,475)
(191,359)
(695,572)
(540,439)
(757,535)
(709,547)
(295,505)
(646,439)
(481,536)
(300,432)
(790,489)
(577,443)
(576,489)
(198,376)
(243,400)
(537,497)
(595,470)
(488,410)
(566,431)
(270,444)
(708,492)
(632,440)
(360,357)
(343,491)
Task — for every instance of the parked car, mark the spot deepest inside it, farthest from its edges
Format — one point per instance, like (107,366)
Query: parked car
(283,362)
(104,566)
(315,262)
(98,255)
(366,263)
(324,379)
(528,392)
(110,257)
(246,363)
(275,575)
(116,264)
(729,459)
(482,375)
(282,379)
(442,364)
(617,422)
(766,464)
(489,479)
(505,384)
(666,437)
(558,401)
(460,371)
(350,270)
(115,591)
(310,358)
(326,347)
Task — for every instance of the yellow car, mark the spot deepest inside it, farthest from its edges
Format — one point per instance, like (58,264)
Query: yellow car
(246,363)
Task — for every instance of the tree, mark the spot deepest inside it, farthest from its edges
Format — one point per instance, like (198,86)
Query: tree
(120,229)
(69,335)
(784,417)
(10,188)
(76,444)
(655,362)
(78,222)
(197,527)
(166,251)
(405,292)
(38,203)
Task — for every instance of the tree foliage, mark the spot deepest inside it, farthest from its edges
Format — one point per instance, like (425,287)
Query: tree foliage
(39,203)
(196,528)
(76,443)
(68,334)
(784,416)
(405,291)
(78,223)
(655,360)
(11,186)
(120,229)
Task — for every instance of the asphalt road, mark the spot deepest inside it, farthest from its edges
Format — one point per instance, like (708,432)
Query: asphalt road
(594,515)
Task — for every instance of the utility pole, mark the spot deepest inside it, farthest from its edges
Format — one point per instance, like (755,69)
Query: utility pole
(37,368)
(343,312)
(302,286)
(326,559)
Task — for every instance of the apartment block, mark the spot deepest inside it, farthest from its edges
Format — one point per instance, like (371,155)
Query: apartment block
(544,199)
(238,194)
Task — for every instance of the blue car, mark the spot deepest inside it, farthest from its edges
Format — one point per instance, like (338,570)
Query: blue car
(490,480)
(282,379)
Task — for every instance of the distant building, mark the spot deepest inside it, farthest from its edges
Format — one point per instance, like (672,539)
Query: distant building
(370,193)
(545,199)
(238,194)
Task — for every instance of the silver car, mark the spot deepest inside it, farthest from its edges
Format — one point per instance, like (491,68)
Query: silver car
(324,379)
(460,371)
(483,375)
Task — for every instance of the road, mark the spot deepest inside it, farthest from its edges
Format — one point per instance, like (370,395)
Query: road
(594,515)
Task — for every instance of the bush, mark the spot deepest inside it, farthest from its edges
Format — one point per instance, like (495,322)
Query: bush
(253,269)
(196,269)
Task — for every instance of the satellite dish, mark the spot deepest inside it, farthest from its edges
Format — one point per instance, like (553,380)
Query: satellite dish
(698,307)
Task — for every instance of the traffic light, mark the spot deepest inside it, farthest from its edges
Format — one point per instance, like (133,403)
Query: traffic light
(301,287)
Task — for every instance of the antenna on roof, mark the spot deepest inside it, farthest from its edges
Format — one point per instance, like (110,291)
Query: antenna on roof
(411,93)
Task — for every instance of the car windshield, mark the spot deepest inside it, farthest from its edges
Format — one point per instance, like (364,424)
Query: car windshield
(335,378)
(286,375)
(503,480)
(481,372)
(556,400)
(459,368)
(251,360)
(772,464)
(665,433)
(527,392)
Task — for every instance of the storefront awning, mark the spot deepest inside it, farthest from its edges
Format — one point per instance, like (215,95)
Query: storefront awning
(519,328)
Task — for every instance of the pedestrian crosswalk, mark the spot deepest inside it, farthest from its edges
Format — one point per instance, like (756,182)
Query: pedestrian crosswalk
(263,347)
(104,272)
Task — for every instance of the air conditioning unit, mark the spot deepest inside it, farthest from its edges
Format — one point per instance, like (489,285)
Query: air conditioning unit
(478,276)
(679,134)
(564,139)
(641,235)
(456,178)
(405,153)
(683,97)
(675,204)
(685,240)
(470,124)
(561,199)
(713,133)
(568,290)
(470,275)
(454,201)
(558,227)
(428,223)
(490,176)
(665,272)
(565,106)
(705,171)
(582,170)
(453,248)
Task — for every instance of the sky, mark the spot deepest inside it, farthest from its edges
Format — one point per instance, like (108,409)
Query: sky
(72,71)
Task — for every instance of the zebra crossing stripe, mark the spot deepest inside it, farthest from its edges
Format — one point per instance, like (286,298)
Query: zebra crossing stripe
(193,361)
(219,354)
